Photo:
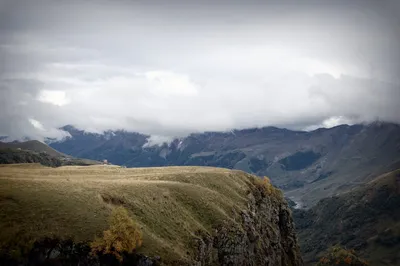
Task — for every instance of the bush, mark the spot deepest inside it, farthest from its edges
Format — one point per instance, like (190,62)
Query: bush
(267,188)
(342,257)
(123,236)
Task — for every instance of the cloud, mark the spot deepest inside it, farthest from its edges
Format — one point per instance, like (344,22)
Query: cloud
(157,140)
(171,70)
(53,97)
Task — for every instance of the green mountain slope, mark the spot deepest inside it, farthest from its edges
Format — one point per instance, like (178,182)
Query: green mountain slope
(366,219)
(37,152)
(12,156)
(32,145)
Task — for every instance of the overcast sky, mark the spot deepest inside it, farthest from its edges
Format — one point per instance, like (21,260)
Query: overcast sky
(168,68)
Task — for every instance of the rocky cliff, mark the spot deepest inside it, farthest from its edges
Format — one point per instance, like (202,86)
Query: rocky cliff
(264,236)
(186,215)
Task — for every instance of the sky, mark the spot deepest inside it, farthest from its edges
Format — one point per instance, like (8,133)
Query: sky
(170,68)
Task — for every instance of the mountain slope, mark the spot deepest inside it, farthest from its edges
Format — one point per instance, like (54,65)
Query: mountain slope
(366,219)
(34,151)
(311,165)
(11,156)
(188,215)
(32,145)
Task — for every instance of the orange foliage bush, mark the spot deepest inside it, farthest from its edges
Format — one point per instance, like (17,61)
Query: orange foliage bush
(340,256)
(122,236)
(267,186)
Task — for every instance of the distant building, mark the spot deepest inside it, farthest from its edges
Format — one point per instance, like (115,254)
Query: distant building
(105,161)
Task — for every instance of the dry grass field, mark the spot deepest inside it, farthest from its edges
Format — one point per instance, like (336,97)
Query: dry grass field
(169,204)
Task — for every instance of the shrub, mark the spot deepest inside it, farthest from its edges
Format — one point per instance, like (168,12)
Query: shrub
(342,257)
(267,188)
(123,236)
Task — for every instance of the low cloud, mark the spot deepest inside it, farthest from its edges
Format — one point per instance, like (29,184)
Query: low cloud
(168,73)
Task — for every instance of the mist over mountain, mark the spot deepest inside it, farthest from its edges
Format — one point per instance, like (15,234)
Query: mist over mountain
(169,70)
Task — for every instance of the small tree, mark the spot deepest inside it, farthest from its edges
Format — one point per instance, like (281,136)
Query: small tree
(267,188)
(342,257)
(122,236)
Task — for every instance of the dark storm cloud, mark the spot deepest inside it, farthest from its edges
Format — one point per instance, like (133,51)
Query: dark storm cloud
(168,69)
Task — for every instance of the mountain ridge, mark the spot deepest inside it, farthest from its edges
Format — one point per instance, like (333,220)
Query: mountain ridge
(32,145)
(307,165)
(34,151)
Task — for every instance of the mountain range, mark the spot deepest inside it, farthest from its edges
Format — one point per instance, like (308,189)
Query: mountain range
(308,166)
(343,183)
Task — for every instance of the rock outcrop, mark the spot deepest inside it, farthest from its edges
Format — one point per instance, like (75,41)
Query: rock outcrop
(264,235)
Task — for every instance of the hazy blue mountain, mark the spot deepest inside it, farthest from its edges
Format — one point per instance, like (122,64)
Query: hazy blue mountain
(307,165)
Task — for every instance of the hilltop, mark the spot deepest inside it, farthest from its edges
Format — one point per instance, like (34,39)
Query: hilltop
(187,215)
(34,151)
(32,145)
(366,219)
(307,165)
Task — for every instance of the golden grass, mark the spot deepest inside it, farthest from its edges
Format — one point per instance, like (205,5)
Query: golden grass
(169,204)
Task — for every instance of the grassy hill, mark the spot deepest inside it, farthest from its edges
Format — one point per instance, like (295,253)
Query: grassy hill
(32,145)
(34,151)
(178,209)
(13,156)
(16,156)
(366,219)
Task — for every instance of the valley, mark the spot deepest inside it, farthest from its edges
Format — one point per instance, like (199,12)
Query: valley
(308,166)
(340,192)
(366,219)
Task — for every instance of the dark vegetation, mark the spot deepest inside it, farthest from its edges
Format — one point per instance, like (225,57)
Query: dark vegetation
(117,246)
(10,156)
(32,145)
(323,176)
(299,160)
(15,156)
(227,160)
(54,251)
(256,165)
(366,219)
(340,256)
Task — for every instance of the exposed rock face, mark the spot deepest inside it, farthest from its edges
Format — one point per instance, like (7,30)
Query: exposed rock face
(264,235)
